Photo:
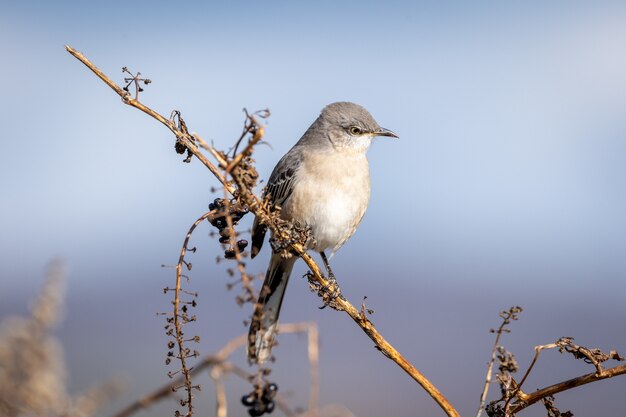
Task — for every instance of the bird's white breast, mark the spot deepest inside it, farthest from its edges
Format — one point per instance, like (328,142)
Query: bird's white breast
(330,196)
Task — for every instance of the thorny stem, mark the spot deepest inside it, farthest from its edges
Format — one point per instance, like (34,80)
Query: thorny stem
(255,205)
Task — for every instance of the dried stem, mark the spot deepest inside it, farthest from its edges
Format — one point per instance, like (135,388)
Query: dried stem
(529,399)
(507,316)
(185,139)
(217,360)
(220,392)
(182,351)
(518,389)
(483,397)
(313,351)
(255,206)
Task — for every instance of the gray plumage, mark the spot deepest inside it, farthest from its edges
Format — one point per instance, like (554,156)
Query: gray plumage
(323,183)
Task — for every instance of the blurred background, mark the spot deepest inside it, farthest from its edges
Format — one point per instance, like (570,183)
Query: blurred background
(507,185)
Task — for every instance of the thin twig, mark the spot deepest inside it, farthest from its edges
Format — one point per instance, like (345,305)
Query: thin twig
(483,397)
(255,205)
(507,316)
(529,399)
(313,351)
(127,99)
(258,132)
(220,392)
(182,351)
(203,144)
(218,359)
(518,389)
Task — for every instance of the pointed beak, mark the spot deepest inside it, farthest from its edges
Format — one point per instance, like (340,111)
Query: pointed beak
(385,132)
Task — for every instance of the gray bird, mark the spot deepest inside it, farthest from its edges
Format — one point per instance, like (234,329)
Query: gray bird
(322,183)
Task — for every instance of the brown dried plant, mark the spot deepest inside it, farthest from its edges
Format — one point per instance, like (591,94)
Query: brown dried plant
(238,177)
(236,172)
(219,366)
(513,399)
(32,368)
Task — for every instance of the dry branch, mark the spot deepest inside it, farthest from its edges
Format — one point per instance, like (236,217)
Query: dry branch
(526,400)
(514,400)
(178,319)
(507,316)
(255,205)
(220,360)
(240,190)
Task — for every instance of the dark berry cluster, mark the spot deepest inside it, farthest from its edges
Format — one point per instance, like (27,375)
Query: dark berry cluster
(260,404)
(236,213)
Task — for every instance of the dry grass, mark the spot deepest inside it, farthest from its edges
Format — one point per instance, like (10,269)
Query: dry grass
(32,366)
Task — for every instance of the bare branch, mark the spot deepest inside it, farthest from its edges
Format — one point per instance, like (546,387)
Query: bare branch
(218,359)
(313,351)
(255,205)
(507,316)
(220,392)
(529,399)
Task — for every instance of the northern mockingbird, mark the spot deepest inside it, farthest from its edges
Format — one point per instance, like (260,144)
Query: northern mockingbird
(322,183)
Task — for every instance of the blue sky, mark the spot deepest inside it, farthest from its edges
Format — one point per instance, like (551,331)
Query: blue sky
(507,186)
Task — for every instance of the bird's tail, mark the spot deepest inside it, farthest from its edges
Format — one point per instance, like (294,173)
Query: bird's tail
(265,318)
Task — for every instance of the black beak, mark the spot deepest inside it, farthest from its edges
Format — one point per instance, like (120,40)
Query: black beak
(385,132)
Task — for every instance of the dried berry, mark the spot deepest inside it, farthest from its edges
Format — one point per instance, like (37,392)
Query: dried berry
(180,148)
(249,399)
(269,392)
(257,409)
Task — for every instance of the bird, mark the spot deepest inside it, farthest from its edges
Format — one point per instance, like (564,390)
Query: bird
(322,183)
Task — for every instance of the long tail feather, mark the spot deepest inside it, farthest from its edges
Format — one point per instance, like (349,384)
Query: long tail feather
(265,319)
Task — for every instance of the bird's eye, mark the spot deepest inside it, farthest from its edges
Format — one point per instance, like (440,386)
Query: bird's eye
(355,130)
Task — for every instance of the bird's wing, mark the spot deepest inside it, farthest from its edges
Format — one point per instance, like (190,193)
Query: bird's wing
(281,182)
(279,188)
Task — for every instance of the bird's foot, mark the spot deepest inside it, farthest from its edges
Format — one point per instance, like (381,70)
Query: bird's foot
(329,292)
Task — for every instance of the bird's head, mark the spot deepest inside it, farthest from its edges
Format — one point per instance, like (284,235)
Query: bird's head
(350,126)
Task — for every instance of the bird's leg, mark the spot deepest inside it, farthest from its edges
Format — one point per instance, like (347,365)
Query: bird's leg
(332,289)
(331,276)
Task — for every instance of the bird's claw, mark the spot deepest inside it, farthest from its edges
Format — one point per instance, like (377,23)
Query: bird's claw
(330,292)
